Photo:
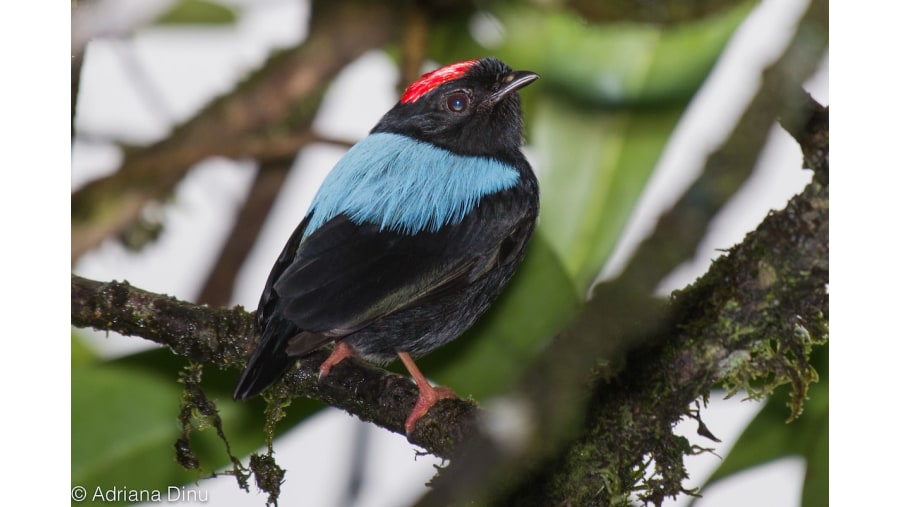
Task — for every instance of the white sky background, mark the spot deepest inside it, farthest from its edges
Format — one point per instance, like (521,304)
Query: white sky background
(35,110)
(188,67)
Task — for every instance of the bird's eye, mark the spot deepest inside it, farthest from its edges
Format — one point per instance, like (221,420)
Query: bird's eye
(457,102)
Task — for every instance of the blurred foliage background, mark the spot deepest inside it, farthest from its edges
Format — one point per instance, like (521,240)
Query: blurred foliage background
(616,79)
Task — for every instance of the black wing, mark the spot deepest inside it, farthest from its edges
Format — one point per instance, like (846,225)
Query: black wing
(346,275)
(285,258)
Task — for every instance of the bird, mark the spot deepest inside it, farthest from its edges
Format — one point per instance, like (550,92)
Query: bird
(411,236)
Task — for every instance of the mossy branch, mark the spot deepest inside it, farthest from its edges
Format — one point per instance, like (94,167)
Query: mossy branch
(224,337)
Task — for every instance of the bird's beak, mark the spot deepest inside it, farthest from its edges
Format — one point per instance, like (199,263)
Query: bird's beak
(512,82)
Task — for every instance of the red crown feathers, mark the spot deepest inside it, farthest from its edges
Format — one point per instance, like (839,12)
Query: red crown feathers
(434,79)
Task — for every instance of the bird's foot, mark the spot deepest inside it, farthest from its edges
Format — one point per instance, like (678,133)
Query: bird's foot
(341,352)
(428,396)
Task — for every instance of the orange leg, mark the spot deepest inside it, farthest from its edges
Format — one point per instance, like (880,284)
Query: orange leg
(341,351)
(428,395)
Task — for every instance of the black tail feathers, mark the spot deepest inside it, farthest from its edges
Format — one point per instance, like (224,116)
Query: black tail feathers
(269,361)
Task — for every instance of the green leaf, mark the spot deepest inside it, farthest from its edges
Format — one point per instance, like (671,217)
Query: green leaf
(815,484)
(616,64)
(125,424)
(198,12)
(123,428)
(594,167)
(81,353)
(607,103)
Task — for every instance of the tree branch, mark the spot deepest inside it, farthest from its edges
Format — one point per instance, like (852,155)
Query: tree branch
(224,338)
(270,176)
(266,187)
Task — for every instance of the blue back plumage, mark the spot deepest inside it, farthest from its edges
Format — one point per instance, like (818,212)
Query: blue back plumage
(405,185)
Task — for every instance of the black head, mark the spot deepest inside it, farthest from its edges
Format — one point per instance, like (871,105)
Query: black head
(470,108)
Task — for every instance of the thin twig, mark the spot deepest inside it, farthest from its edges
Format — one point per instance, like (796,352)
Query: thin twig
(219,286)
